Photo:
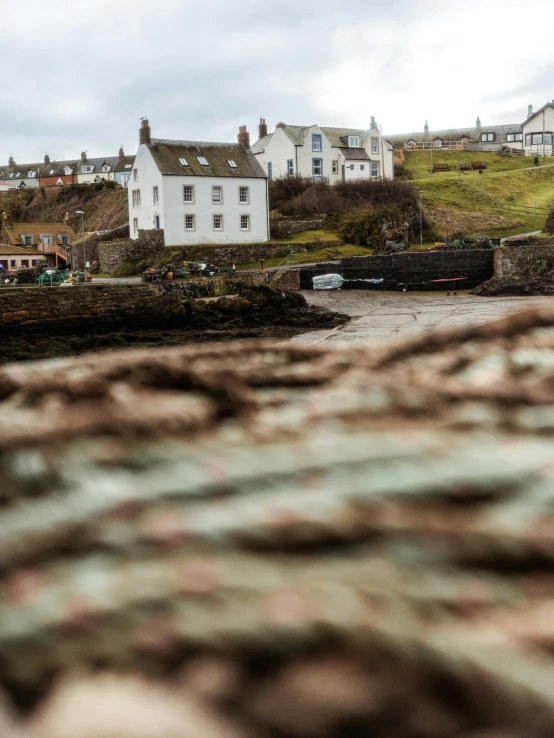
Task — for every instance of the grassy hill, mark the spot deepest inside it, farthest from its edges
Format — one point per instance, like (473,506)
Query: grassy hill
(510,196)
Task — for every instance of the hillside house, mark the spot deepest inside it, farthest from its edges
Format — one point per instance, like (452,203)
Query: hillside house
(96,170)
(18,176)
(14,257)
(476,138)
(123,168)
(198,192)
(335,153)
(58,172)
(538,130)
(50,240)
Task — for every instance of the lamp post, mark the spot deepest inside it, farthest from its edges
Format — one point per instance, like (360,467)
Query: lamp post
(421,218)
(82,214)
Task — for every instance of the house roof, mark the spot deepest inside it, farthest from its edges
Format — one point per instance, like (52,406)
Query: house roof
(167,154)
(337,137)
(125,164)
(19,171)
(8,250)
(355,154)
(15,231)
(98,164)
(57,168)
(456,134)
(261,144)
(538,112)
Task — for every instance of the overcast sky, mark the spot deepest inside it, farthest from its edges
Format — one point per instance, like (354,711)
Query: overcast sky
(79,74)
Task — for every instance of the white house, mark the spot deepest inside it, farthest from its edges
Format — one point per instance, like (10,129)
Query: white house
(198,192)
(538,130)
(335,153)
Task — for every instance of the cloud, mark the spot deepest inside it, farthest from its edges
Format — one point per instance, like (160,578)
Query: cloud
(83,73)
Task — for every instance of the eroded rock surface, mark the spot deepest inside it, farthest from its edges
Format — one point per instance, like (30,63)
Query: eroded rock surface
(275,540)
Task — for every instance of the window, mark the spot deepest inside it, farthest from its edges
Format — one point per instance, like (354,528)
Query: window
(335,167)
(548,139)
(362,167)
(317,142)
(375,145)
(135,175)
(374,168)
(244,195)
(317,167)
(217,195)
(46,238)
(31,174)
(135,225)
(156,192)
(354,142)
(33,262)
(487,137)
(514,137)
(218,222)
(157,222)
(438,143)
(136,198)
(68,171)
(28,240)
(18,174)
(88,170)
(12,175)
(128,166)
(13,263)
(188,193)
(203,161)
(269,170)
(290,167)
(106,168)
(189,222)
(245,222)
(24,262)
(183,162)
(64,240)
(352,167)
(232,164)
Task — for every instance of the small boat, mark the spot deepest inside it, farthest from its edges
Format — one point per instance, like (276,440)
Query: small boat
(328,282)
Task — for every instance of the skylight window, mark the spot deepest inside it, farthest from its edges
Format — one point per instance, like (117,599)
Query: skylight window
(128,166)
(51,171)
(12,175)
(183,162)
(18,174)
(231,163)
(203,161)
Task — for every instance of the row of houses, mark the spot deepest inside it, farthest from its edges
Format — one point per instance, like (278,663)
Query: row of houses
(532,137)
(205,192)
(51,173)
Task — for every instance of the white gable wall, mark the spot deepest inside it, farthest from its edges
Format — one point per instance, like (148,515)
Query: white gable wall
(541,121)
(149,177)
(278,151)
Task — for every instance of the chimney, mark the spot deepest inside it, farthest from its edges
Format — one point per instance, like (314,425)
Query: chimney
(145,134)
(373,125)
(478,122)
(83,156)
(46,159)
(121,153)
(529,111)
(426,128)
(263,128)
(244,137)
(12,161)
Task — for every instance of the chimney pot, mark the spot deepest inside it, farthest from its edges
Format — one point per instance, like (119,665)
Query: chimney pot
(478,122)
(244,137)
(12,161)
(373,123)
(529,111)
(263,128)
(83,156)
(121,153)
(145,135)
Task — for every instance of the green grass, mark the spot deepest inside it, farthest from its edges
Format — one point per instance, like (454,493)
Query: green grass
(309,237)
(510,194)
(324,254)
(419,162)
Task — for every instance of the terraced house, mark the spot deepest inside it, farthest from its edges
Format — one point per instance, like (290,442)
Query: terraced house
(198,192)
(28,242)
(337,154)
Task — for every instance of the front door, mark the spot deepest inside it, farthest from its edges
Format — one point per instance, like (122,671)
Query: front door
(343,172)
(157,222)
(4,264)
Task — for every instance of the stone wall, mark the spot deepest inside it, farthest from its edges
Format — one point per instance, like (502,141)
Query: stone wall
(415,269)
(525,261)
(286,227)
(94,245)
(112,254)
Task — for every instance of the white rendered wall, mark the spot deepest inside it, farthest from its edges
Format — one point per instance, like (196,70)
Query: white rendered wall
(148,177)
(175,209)
(541,122)
(278,151)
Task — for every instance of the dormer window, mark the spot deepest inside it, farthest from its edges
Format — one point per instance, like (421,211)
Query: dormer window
(203,161)
(438,143)
(68,171)
(106,168)
(354,142)
(88,170)
(183,162)
(31,174)
(232,164)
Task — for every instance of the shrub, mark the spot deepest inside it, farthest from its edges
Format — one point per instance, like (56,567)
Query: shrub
(549,226)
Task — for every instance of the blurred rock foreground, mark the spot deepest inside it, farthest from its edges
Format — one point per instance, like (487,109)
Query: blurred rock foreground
(257,539)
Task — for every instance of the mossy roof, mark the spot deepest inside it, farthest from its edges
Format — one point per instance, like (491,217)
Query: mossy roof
(9,250)
(456,134)
(15,231)
(167,155)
